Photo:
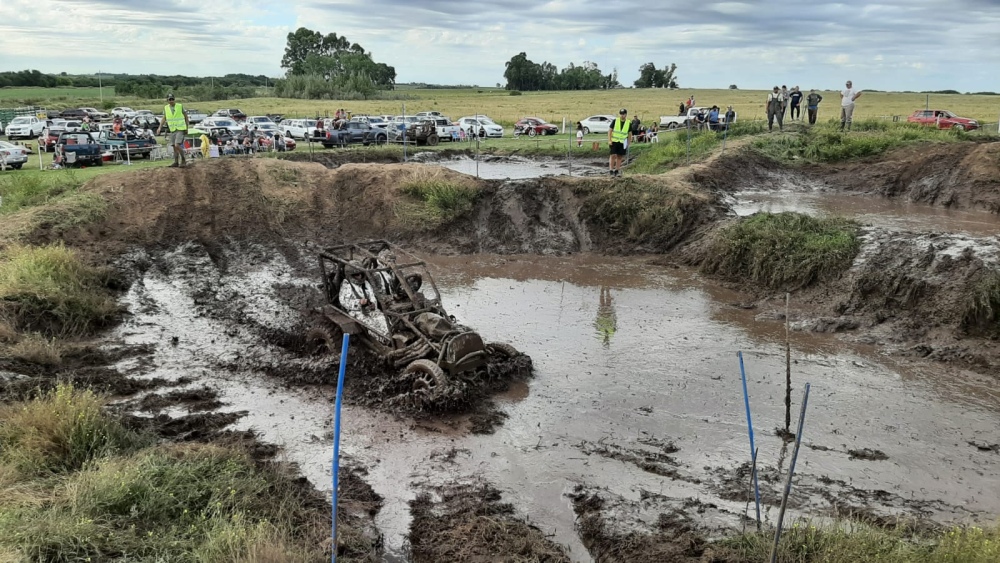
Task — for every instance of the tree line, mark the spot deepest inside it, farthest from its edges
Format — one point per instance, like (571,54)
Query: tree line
(36,79)
(329,66)
(524,74)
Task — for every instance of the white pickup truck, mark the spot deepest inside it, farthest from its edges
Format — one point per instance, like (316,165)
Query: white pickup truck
(445,128)
(25,127)
(680,121)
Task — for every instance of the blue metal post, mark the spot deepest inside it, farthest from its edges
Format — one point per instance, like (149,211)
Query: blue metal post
(336,438)
(753,447)
(791,472)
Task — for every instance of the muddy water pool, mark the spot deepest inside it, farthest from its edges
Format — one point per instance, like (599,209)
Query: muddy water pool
(895,214)
(515,168)
(628,357)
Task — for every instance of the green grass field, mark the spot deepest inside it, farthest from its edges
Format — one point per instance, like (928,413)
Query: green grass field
(551,106)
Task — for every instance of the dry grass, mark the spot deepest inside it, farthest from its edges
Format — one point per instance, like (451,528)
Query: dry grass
(37,349)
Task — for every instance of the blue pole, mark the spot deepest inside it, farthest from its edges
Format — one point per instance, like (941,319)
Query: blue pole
(753,448)
(336,438)
(791,472)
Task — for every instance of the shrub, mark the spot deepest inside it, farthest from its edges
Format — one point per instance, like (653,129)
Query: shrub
(783,250)
(51,290)
(514,93)
(60,431)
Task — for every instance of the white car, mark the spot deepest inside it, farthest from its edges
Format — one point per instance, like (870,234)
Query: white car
(258,119)
(483,123)
(429,114)
(215,122)
(445,128)
(13,156)
(25,127)
(297,128)
(597,124)
(125,112)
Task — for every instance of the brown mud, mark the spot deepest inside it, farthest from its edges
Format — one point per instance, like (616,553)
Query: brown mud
(635,397)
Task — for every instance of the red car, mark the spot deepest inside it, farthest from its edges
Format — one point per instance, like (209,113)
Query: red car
(532,126)
(943,119)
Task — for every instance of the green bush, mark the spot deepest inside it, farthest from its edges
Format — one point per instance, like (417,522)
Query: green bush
(442,201)
(783,250)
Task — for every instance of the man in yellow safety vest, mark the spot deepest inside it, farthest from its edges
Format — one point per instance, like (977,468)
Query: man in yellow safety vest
(177,123)
(619,134)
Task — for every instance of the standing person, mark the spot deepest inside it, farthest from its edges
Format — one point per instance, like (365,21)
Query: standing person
(619,134)
(784,101)
(774,103)
(730,116)
(812,105)
(713,118)
(177,123)
(683,110)
(847,97)
(796,98)
(579,134)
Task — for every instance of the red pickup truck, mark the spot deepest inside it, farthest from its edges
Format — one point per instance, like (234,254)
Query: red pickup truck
(943,119)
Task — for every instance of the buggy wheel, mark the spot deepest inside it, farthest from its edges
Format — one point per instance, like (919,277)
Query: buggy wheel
(322,340)
(502,349)
(428,379)
(432,140)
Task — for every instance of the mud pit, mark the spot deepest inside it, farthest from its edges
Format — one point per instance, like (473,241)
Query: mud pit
(636,394)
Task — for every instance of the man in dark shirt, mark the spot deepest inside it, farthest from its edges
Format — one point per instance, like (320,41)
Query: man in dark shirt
(812,105)
(796,99)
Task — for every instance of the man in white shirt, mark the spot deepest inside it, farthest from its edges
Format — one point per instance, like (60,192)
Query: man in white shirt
(847,97)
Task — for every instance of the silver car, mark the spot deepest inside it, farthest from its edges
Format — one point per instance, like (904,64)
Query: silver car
(12,156)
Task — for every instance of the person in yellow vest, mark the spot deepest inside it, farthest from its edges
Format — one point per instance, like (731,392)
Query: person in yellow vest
(177,123)
(618,135)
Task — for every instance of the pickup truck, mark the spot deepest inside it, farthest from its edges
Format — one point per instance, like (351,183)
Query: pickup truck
(80,148)
(943,119)
(680,121)
(138,147)
(25,127)
(350,132)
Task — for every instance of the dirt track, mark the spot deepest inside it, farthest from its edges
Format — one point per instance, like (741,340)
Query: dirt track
(226,248)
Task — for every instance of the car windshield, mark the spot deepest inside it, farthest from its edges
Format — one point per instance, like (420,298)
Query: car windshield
(375,120)
(224,122)
(947,113)
(21,121)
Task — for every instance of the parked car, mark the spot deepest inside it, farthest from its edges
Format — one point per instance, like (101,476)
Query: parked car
(221,122)
(75,113)
(536,126)
(231,113)
(137,147)
(123,112)
(426,114)
(943,119)
(25,127)
(677,121)
(347,133)
(79,149)
(446,130)
(597,124)
(297,128)
(96,114)
(258,119)
(12,156)
(194,116)
(480,125)
(149,121)
(373,120)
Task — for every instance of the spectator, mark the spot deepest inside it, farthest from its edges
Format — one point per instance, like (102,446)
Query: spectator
(774,105)
(654,133)
(690,102)
(847,97)
(713,118)
(618,135)
(699,120)
(730,116)
(579,134)
(784,101)
(682,110)
(812,105)
(176,121)
(796,99)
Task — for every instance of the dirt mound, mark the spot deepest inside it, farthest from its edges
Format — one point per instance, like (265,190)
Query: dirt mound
(470,523)
(960,175)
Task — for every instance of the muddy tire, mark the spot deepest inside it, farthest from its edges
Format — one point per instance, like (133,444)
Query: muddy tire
(432,140)
(427,380)
(322,340)
(502,349)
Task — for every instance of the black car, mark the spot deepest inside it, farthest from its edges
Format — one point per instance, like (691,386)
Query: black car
(232,114)
(348,132)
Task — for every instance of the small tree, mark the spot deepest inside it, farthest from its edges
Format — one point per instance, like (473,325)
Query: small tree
(733,87)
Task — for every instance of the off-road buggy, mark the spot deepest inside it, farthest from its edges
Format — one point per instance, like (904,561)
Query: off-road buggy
(387,300)
(421,132)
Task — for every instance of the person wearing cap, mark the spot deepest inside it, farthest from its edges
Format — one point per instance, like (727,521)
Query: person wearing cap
(177,123)
(619,134)
(775,105)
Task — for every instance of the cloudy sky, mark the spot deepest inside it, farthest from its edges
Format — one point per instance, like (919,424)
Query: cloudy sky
(886,44)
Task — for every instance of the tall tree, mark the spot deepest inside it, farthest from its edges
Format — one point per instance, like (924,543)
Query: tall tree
(652,77)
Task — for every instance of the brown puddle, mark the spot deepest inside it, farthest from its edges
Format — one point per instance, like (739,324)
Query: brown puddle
(628,357)
(894,214)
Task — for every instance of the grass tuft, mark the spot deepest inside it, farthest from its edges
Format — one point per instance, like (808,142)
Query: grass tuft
(37,349)
(441,201)
(49,289)
(982,307)
(782,250)
(18,191)
(60,431)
